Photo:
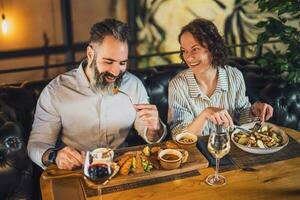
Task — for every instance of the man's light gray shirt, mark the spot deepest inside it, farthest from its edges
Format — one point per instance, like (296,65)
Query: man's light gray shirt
(187,101)
(70,109)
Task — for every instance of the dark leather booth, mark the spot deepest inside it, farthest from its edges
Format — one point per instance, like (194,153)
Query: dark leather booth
(19,177)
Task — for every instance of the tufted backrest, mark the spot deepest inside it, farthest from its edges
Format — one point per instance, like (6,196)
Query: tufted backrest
(23,102)
(284,97)
(15,166)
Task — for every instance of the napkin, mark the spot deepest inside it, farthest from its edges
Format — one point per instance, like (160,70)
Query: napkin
(202,146)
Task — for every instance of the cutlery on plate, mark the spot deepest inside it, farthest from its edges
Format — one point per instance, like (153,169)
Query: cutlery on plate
(242,129)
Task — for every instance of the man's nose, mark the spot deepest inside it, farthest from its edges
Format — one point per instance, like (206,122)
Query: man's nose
(115,70)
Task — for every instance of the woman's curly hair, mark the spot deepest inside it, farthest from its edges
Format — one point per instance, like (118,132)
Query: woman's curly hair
(206,33)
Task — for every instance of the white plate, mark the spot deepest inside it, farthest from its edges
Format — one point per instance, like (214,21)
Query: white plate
(257,150)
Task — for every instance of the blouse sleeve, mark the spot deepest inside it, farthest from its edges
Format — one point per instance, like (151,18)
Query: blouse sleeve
(180,114)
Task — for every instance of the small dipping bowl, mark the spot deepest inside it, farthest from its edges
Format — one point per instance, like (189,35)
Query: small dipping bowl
(186,140)
(170,158)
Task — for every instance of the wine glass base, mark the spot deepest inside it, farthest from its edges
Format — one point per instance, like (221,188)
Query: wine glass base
(214,181)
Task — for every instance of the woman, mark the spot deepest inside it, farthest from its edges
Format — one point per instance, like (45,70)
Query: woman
(209,93)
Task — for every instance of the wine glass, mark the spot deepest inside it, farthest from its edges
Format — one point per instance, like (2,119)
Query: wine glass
(98,172)
(218,145)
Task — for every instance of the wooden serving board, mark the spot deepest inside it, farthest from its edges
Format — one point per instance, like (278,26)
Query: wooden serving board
(195,161)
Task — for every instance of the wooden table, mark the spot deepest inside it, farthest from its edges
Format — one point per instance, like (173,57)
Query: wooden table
(279,180)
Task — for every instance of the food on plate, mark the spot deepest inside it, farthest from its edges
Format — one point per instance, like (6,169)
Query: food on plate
(125,168)
(123,159)
(186,140)
(185,155)
(171,145)
(147,165)
(153,160)
(134,161)
(146,159)
(138,164)
(155,150)
(265,137)
(146,151)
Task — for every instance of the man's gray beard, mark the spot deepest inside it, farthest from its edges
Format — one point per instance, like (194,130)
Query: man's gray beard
(99,84)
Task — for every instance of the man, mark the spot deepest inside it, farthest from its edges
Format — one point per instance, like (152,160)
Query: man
(94,105)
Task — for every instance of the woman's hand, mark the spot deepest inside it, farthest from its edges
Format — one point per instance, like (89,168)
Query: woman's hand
(262,110)
(219,116)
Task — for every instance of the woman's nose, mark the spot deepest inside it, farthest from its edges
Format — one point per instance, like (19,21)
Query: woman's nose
(189,58)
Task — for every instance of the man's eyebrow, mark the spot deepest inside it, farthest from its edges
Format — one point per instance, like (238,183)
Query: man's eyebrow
(110,59)
(124,60)
(113,60)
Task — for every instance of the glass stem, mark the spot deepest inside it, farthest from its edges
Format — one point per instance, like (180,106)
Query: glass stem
(100,192)
(217,169)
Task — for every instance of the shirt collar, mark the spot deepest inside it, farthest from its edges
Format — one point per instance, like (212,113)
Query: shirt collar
(222,80)
(194,89)
(81,76)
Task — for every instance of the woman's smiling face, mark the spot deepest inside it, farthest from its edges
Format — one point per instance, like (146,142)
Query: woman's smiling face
(196,56)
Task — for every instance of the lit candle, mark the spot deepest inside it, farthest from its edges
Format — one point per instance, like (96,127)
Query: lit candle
(4,25)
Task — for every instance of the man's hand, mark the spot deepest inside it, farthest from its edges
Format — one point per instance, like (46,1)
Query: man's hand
(219,116)
(148,113)
(262,110)
(69,158)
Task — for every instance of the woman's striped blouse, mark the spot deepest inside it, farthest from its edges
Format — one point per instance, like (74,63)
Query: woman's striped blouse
(187,101)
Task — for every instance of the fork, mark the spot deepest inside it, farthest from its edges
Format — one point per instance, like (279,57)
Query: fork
(240,128)
(255,128)
(120,91)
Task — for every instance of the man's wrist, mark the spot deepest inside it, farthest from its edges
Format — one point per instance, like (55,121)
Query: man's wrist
(49,157)
(154,136)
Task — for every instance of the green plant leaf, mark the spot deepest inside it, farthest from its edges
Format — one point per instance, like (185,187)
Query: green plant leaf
(261,24)
(277,27)
(284,67)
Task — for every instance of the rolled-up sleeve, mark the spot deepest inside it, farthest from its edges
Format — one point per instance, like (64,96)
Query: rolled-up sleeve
(46,127)
(180,114)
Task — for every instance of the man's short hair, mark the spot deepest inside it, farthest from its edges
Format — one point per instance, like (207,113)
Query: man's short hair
(113,27)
